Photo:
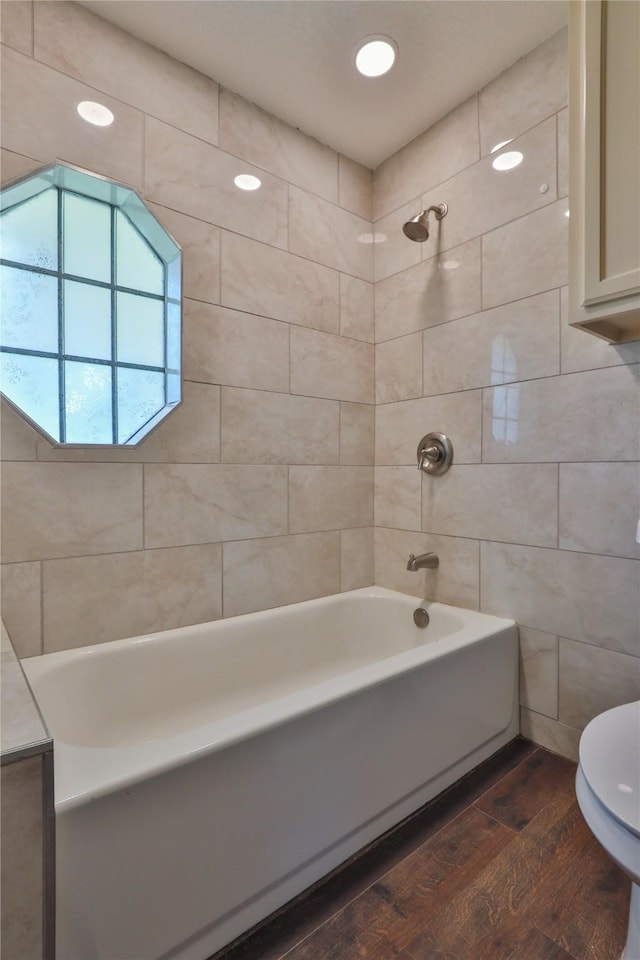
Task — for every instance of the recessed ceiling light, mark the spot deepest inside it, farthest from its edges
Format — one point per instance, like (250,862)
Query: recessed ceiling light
(499,146)
(508,160)
(449,265)
(245,181)
(375,56)
(95,113)
(566,213)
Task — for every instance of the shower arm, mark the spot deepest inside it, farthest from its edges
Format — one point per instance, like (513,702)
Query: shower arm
(439,209)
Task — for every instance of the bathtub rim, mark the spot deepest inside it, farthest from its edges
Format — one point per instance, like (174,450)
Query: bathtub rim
(87,773)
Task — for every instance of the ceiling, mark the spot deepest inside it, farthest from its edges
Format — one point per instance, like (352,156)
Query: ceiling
(294,58)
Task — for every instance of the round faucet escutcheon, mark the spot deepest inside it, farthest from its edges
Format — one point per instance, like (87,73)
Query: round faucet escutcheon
(421,617)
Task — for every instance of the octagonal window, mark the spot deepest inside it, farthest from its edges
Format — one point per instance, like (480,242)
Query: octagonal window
(90,287)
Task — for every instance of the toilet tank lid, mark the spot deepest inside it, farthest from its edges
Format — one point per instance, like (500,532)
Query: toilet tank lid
(610,761)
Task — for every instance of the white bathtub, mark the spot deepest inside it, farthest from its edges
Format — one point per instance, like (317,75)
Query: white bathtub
(206,775)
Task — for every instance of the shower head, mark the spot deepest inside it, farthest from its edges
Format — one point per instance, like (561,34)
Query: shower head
(418,227)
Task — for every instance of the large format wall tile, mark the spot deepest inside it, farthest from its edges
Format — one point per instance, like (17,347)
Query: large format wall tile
(526,256)
(94,599)
(277,428)
(441,289)
(399,369)
(400,426)
(259,574)
(330,498)
(22,830)
(82,45)
(249,132)
(436,155)
(16,25)
(220,347)
(482,198)
(66,510)
(593,680)
(327,234)
(456,579)
(357,433)
(581,416)
(513,503)
(397,498)
(21,591)
(517,341)
(599,507)
(203,503)
(191,176)
(539,671)
(356,558)
(555,736)
(262,279)
(355,187)
(574,595)
(356,308)
(13,165)
(323,365)
(200,242)
(532,89)
(32,92)
(19,439)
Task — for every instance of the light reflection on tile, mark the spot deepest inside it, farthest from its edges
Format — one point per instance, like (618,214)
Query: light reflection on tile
(521,421)
(535,87)
(328,234)
(429,293)
(192,176)
(249,132)
(517,341)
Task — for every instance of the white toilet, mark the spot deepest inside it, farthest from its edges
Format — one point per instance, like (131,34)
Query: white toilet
(608,791)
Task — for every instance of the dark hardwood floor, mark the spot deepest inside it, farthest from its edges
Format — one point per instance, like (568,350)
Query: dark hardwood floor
(500,867)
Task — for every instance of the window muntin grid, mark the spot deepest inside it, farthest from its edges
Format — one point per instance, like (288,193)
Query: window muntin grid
(107,260)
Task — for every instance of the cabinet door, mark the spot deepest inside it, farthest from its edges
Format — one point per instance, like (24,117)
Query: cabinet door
(605,176)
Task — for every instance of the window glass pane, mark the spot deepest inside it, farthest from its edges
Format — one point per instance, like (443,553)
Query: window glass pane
(87,320)
(137,266)
(87,237)
(140,330)
(88,409)
(32,384)
(29,231)
(29,310)
(140,397)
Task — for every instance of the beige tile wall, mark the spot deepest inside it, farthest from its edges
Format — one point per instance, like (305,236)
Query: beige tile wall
(270,459)
(536,518)
(258,490)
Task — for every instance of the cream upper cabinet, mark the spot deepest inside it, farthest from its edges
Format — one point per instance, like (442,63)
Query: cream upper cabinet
(604,191)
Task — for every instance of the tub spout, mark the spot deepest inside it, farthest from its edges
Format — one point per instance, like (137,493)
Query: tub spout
(426,560)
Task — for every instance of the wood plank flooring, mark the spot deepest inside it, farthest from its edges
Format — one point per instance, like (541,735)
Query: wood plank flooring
(500,867)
